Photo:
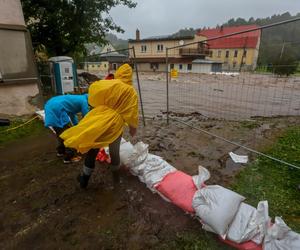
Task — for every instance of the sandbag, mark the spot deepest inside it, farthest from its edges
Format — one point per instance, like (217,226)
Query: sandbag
(262,221)
(179,188)
(133,155)
(280,237)
(126,150)
(155,169)
(243,228)
(217,206)
(139,154)
(201,178)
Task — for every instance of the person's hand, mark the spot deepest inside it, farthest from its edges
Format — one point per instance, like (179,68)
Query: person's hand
(132,131)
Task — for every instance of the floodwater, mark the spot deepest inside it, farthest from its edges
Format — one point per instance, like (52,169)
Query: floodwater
(220,96)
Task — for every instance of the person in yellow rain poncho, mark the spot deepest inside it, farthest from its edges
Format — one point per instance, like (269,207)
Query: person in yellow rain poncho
(115,105)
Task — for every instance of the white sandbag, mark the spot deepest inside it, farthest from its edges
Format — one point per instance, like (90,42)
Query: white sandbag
(280,237)
(123,141)
(217,206)
(132,155)
(203,176)
(139,154)
(138,169)
(126,150)
(262,221)
(155,170)
(244,227)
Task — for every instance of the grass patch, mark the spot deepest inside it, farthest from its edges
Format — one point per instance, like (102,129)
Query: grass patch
(199,241)
(33,128)
(268,180)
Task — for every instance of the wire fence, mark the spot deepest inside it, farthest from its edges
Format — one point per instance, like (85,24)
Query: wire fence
(237,79)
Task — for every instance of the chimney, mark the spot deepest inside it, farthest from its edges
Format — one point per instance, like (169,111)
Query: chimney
(137,35)
(221,29)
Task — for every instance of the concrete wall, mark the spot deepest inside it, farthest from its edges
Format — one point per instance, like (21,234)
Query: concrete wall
(14,99)
(17,65)
(11,12)
(16,59)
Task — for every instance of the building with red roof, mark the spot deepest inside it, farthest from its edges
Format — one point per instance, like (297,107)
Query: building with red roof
(236,52)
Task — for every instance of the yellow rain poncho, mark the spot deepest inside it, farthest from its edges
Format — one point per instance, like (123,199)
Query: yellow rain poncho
(115,104)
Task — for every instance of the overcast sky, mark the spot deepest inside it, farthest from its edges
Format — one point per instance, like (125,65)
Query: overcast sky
(162,17)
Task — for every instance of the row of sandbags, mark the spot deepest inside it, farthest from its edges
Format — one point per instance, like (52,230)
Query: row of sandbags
(219,209)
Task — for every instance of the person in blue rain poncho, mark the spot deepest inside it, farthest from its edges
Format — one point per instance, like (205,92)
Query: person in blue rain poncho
(60,114)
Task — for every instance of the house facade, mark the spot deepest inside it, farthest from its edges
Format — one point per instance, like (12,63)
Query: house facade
(103,58)
(237,52)
(151,52)
(18,74)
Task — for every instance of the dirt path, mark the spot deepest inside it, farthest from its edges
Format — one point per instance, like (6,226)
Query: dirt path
(42,207)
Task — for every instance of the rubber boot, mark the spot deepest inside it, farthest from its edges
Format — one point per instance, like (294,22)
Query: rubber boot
(83,180)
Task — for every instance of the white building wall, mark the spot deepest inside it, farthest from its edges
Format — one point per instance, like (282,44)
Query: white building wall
(11,12)
(202,68)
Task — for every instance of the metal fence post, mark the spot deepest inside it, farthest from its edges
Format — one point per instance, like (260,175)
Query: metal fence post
(139,87)
(167,75)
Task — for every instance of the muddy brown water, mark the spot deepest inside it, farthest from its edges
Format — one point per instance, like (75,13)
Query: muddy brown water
(219,96)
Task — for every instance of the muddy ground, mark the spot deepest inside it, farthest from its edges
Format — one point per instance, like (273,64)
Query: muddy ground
(42,206)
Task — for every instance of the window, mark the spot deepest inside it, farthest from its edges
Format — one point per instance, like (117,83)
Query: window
(143,48)
(180,66)
(108,50)
(189,66)
(172,66)
(160,47)
(236,53)
(219,53)
(227,54)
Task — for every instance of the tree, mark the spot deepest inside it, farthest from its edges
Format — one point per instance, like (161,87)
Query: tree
(64,26)
(287,65)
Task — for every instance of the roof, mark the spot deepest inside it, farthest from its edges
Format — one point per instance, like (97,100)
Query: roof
(95,49)
(60,59)
(162,38)
(203,61)
(244,40)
